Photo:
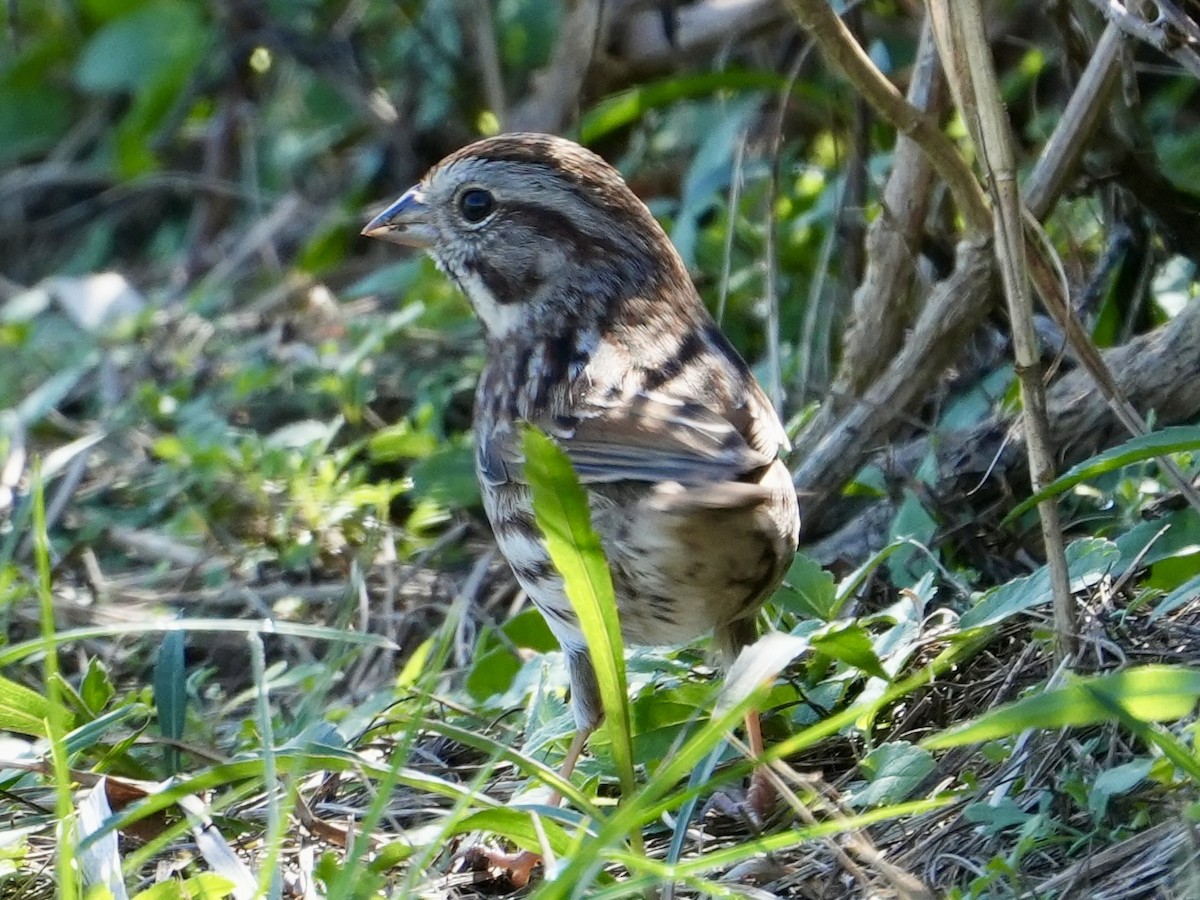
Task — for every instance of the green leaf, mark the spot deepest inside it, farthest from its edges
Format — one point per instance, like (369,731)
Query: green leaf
(25,711)
(515,825)
(492,672)
(894,771)
(808,590)
(1088,560)
(627,107)
(1175,439)
(852,645)
(133,52)
(561,508)
(205,886)
(1185,593)
(1145,694)
(447,475)
(1117,781)
(32,119)
(170,693)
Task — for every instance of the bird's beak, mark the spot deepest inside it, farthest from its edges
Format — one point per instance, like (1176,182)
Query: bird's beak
(404,222)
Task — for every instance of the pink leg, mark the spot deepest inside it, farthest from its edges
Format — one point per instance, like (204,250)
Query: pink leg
(518,867)
(762,794)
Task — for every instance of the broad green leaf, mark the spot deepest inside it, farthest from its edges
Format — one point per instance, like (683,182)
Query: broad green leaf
(131,53)
(1175,439)
(529,629)
(1088,560)
(1185,593)
(515,825)
(894,770)
(757,666)
(402,440)
(1117,781)
(808,590)
(1007,813)
(447,475)
(96,688)
(1146,694)
(915,528)
(492,672)
(852,645)
(416,666)
(205,886)
(25,711)
(561,508)
(54,390)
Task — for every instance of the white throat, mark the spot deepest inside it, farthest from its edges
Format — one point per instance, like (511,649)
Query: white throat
(500,319)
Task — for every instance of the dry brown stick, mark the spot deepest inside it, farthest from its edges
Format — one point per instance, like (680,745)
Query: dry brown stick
(951,312)
(556,89)
(1157,34)
(958,28)
(954,308)
(1159,370)
(876,325)
(1041,191)
(841,50)
(482,29)
(1076,124)
(829,463)
(642,42)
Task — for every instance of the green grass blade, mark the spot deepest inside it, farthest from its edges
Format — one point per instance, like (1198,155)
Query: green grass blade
(627,107)
(170,695)
(56,723)
(561,508)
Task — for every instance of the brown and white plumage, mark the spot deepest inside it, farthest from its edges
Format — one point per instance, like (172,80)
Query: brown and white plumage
(596,334)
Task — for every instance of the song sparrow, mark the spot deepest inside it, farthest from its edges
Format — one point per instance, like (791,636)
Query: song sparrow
(596,334)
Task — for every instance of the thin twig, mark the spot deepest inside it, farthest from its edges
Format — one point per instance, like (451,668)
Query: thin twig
(958,28)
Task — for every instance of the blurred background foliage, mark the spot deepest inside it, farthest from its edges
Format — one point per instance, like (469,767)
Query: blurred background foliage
(241,408)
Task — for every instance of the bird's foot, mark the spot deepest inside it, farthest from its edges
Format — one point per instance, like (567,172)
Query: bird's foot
(761,796)
(754,805)
(517,868)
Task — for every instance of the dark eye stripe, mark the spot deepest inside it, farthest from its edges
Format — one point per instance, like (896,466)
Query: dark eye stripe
(558,225)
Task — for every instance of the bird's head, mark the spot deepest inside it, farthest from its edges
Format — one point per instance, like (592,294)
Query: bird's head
(537,231)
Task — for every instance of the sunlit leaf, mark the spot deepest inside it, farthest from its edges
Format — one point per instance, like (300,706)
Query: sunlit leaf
(1088,560)
(1175,439)
(25,711)
(1145,694)
(628,106)
(852,645)
(561,507)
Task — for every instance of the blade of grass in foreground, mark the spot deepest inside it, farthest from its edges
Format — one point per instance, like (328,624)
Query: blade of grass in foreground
(561,508)
(56,718)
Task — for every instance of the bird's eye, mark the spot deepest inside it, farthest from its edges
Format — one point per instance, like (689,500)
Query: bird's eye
(475,204)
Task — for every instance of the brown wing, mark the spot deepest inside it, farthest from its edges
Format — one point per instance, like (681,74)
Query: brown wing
(654,437)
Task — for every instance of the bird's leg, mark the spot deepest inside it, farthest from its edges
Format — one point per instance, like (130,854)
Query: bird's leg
(519,866)
(588,709)
(762,795)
